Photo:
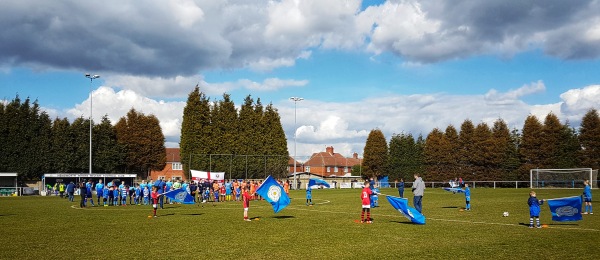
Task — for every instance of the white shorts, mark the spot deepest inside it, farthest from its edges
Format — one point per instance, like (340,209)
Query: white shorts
(245,209)
(154,206)
(366,206)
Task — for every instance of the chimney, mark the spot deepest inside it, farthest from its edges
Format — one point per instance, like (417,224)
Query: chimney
(329,150)
(355,155)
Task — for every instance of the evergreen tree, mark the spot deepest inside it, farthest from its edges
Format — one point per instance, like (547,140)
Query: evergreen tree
(501,151)
(108,154)
(452,153)
(375,155)
(276,145)
(589,139)
(405,157)
(225,130)
(482,139)
(80,134)
(195,132)
(434,152)
(551,139)
(144,142)
(466,148)
(531,145)
(62,147)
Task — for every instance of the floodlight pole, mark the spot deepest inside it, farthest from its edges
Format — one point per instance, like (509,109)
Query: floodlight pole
(91,77)
(295,99)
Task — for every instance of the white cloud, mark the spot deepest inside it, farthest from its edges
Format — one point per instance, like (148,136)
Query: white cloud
(577,102)
(116,105)
(512,96)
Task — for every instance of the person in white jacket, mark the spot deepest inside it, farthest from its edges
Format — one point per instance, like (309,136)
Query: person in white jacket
(418,188)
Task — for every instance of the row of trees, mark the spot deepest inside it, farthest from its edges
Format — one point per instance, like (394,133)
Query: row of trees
(215,136)
(483,153)
(33,144)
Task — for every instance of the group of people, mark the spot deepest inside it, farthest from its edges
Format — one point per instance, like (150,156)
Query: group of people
(535,210)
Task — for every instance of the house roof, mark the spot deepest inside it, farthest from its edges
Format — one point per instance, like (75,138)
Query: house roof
(173,155)
(331,159)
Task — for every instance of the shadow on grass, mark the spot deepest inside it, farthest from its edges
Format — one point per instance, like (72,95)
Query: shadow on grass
(402,222)
(450,207)
(168,214)
(282,217)
(193,214)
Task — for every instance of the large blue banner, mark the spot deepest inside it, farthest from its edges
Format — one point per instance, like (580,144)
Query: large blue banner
(565,209)
(401,204)
(273,193)
(180,195)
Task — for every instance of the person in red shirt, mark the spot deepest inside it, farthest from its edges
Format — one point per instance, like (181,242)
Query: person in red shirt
(155,197)
(366,203)
(246,197)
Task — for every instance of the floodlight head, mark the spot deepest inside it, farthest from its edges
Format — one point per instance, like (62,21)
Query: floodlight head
(295,99)
(96,76)
(87,75)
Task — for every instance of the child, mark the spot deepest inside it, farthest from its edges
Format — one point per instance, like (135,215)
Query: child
(587,197)
(375,197)
(309,197)
(467,197)
(155,196)
(228,190)
(238,192)
(138,193)
(534,209)
(366,203)
(216,191)
(124,193)
(105,193)
(223,192)
(146,193)
(246,198)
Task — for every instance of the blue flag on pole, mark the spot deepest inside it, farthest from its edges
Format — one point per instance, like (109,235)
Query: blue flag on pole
(565,209)
(401,204)
(180,195)
(273,193)
(313,182)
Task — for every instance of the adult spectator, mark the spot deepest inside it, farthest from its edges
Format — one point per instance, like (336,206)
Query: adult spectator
(418,188)
(71,191)
(159,183)
(401,188)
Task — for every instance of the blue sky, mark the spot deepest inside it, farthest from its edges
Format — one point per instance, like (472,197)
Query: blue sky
(400,66)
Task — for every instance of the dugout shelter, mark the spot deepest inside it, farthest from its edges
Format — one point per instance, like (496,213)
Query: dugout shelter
(8,183)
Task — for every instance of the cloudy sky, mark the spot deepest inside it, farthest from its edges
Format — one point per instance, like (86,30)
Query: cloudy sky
(400,66)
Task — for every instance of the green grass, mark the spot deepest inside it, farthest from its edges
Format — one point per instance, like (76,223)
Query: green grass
(53,228)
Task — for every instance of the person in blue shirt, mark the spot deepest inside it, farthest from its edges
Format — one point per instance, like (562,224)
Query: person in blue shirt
(401,188)
(138,194)
(534,209)
(160,184)
(309,197)
(146,193)
(228,191)
(375,196)
(71,191)
(169,185)
(99,190)
(587,197)
(105,193)
(467,197)
(88,194)
(115,196)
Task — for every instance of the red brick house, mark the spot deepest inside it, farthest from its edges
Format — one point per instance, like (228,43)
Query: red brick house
(299,166)
(329,163)
(173,169)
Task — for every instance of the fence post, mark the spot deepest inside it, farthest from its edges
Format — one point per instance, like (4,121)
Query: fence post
(494,185)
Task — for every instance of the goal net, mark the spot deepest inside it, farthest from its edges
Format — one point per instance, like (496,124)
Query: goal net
(562,178)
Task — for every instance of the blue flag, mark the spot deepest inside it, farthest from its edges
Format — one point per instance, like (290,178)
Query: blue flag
(273,193)
(454,190)
(565,209)
(409,212)
(313,182)
(180,195)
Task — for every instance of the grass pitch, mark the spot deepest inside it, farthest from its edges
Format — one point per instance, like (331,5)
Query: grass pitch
(53,228)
